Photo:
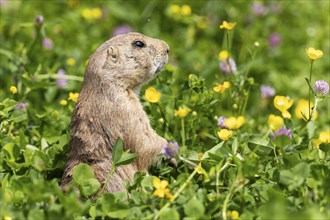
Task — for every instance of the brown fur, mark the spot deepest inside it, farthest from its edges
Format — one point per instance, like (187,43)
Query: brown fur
(108,108)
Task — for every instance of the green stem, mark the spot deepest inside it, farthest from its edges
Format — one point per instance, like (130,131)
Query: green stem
(314,109)
(218,175)
(183,137)
(56,76)
(176,194)
(113,169)
(227,42)
(225,203)
(309,91)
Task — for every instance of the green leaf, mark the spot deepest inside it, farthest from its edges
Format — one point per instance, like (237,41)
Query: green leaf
(259,146)
(234,146)
(296,176)
(309,85)
(169,214)
(117,150)
(325,147)
(212,150)
(126,158)
(194,208)
(83,178)
(310,129)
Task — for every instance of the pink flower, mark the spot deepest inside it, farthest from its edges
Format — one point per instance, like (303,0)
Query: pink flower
(61,82)
(228,66)
(47,43)
(274,40)
(122,29)
(267,91)
(39,20)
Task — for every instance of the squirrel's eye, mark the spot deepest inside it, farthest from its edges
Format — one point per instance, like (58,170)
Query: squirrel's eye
(138,44)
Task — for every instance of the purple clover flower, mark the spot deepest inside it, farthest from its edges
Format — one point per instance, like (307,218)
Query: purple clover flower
(282,132)
(47,43)
(258,9)
(170,149)
(274,40)
(122,29)
(21,106)
(228,66)
(321,88)
(61,82)
(221,122)
(267,91)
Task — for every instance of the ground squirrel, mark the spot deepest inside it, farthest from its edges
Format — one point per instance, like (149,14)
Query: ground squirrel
(108,108)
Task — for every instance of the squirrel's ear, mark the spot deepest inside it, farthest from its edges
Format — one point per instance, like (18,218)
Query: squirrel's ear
(112,54)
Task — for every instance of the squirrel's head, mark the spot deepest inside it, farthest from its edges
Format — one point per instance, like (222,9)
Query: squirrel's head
(129,60)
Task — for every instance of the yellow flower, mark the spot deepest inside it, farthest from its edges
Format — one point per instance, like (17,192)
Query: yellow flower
(175,9)
(96,13)
(314,54)
(202,22)
(161,188)
(283,103)
(200,155)
(73,96)
(13,89)
(232,215)
(324,137)
(91,13)
(181,112)
(199,168)
(227,25)
(70,61)
(7,218)
(223,55)
(234,123)
(225,134)
(185,10)
(222,87)
(301,110)
(275,122)
(152,95)
(63,102)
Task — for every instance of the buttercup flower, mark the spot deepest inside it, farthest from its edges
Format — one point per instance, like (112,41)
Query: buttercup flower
(228,66)
(70,61)
(13,89)
(324,137)
(275,122)
(227,25)
(175,9)
(47,43)
(314,54)
(170,149)
(225,134)
(302,112)
(73,96)
(185,10)
(61,82)
(223,55)
(152,95)
(199,168)
(232,215)
(234,123)
(321,88)
(222,87)
(267,91)
(161,188)
(91,13)
(63,102)
(181,112)
(283,103)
